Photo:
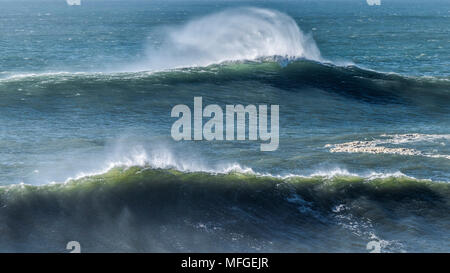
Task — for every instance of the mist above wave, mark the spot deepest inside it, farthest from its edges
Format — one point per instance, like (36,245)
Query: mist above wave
(231,35)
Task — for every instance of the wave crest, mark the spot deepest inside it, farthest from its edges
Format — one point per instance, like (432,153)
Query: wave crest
(231,35)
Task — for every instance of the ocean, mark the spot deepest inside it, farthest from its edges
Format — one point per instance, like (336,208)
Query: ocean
(86,152)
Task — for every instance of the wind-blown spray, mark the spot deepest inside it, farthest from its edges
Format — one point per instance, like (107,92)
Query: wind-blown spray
(232,35)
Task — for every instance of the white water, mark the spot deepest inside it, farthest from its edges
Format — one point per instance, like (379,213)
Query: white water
(231,35)
(164,158)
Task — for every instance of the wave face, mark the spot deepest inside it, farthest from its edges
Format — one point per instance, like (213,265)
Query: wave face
(231,35)
(280,72)
(140,209)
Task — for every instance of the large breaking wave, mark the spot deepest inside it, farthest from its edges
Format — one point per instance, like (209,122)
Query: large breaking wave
(140,209)
(242,44)
(231,35)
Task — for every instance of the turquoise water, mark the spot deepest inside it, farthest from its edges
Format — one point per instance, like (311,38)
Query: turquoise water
(86,92)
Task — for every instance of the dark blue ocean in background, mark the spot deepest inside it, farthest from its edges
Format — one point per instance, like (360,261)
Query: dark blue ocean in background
(86,152)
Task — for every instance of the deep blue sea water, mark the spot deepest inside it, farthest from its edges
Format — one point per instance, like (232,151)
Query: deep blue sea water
(86,152)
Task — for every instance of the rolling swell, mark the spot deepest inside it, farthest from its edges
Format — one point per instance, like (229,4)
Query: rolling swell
(294,75)
(141,209)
